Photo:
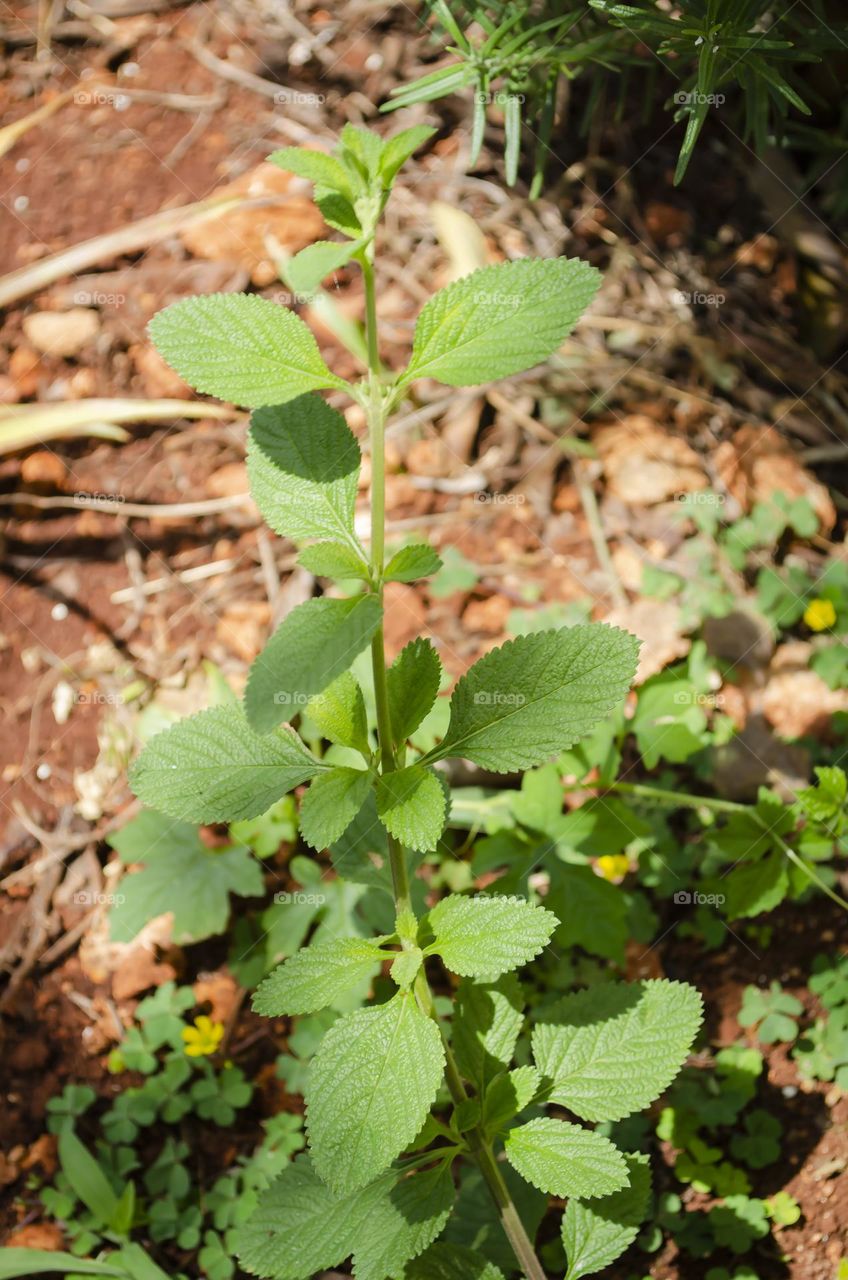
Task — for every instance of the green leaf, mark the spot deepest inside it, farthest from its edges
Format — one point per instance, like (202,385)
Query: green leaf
(305,271)
(303,466)
(339,712)
(507,1096)
(612,1050)
(564,1160)
(361,856)
(669,722)
(500,320)
(87,1179)
(301,1227)
(331,804)
(398,149)
(339,213)
(477,1223)
(756,886)
(335,560)
(372,1083)
(776,1011)
(411,806)
(413,681)
(313,977)
(535,696)
(32,1262)
(361,150)
(316,166)
(452,1262)
(759,1145)
(488,1017)
(483,937)
(212,767)
(410,563)
(404,1224)
(597,1233)
(826,801)
(406,966)
(315,643)
(240,348)
(180,874)
(593,912)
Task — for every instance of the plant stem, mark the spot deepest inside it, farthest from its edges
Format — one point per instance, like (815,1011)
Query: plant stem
(686,800)
(482,1151)
(478,1143)
(680,799)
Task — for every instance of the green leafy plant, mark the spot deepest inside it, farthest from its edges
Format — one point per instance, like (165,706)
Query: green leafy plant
(395,1095)
(774,1012)
(106,1194)
(821,1052)
(741,60)
(710,1123)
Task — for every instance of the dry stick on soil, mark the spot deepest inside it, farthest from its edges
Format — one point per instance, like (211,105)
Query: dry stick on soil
(30,424)
(114,244)
(117,506)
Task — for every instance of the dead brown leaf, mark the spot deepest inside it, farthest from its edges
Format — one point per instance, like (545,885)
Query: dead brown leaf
(37,1235)
(796,701)
(758,464)
(657,625)
(219,990)
(138,971)
(644,464)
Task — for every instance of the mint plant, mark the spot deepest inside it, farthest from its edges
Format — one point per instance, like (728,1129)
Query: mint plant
(395,1098)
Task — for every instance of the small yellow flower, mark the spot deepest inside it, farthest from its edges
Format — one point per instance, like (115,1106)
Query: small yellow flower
(613,866)
(203,1038)
(820,614)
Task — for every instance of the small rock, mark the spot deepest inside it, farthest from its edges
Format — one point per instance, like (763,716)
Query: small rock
(24,365)
(756,758)
(741,637)
(429,458)
(243,627)
(61,333)
(488,616)
(44,468)
(158,378)
(228,481)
